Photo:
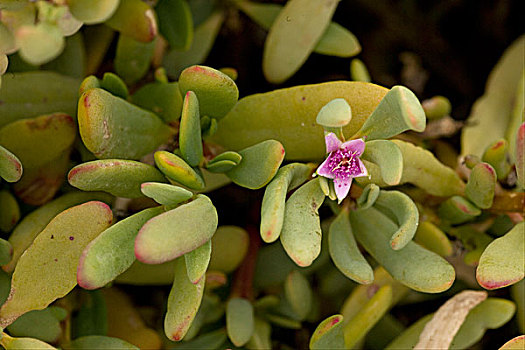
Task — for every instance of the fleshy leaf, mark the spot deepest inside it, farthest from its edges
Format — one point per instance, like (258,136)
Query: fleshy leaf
(273,205)
(112,252)
(437,107)
(239,320)
(175,23)
(176,232)
(183,302)
(291,114)
(39,43)
(10,343)
(217,92)
(481,185)
(165,194)
(10,166)
(261,337)
(10,213)
(388,157)
(121,178)
(358,71)
(197,262)
(259,164)
(328,334)
(432,238)
(229,247)
(298,293)
(398,111)
(520,156)
(503,263)
(114,84)
(221,166)
(72,61)
(49,264)
(99,342)
(413,265)
(40,324)
(403,211)
(136,19)
(162,99)
(178,170)
(190,141)
(473,240)
(458,210)
(140,274)
(91,316)
(334,114)
(516,343)
(92,11)
(6,251)
(89,82)
(345,252)
(497,156)
(301,232)
(101,117)
(368,197)
(133,58)
(287,47)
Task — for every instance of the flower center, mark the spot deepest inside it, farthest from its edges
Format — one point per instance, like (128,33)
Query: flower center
(343,164)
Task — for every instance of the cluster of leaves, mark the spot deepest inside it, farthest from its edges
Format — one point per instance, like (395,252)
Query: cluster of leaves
(140,153)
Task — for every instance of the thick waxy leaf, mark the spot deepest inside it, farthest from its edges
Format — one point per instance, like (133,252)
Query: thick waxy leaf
(398,111)
(516,343)
(473,240)
(228,155)
(503,263)
(10,343)
(335,41)
(99,342)
(217,92)
(197,262)
(490,115)
(388,157)
(287,47)
(368,197)
(35,222)
(490,314)
(190,141)
(39,43)
(8,41)
(136,19)
(358,71)
(221,166)
(301,232)
(458,210)
(112,252)
(403,210)
(72,61)
(520,156)
(205,33)
(100,120)
(183,302)
(175,23)
(114,84)
(239,321)
(211,340)
(437,107)
(163,99)
(121,178)
(133,58)
(298,294)
(413,265)
(229,246)
(345,252)
(481,185)
(328,334)
(164,193)
(50,263)
(39,140)
(497,156)
(6,251)
(10,166)
(259,164)
(50,92)
(143,274)
(10,213)
(91,317)
(261,337)
(273,205)
(89,82)
(92,11)
(291,112)
(40,324)
(433,239)
(334,114)
(178,170)
(176,232)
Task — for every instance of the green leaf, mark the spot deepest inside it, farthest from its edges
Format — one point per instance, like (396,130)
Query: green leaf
(515,343)
(273,205)
(133,58)
(288,115)
(388,157)
(10,343)
(90,82)
(259,164)
(368,197)
(413,265)
(458,210)
(217,92)
(497,156)
(503,263)
(140,274)
(38,140)
(6,251)
(328,334)
(432,238)
(517,291)
(163,99)
(72,61)
(239,321)
(211,340)
(221,166)
(335,114)
(261,337)
(183,302)
(100,120)
(520,156)
(345,252)
(8,41)
(99,341)
(112,252)
(301,232)
(165,194)
(229,247)
(287,47)
(49,264)
(358,71)
(175,23)
(92,11)
(5,286)
(10,213)
(398,111)
(10,166)
(197,262)
(473,240)
(40,324)
(298,294)
(176,232)
(190,141)
(403,210)
(114,84)
(92,315)
(437,107)
(205,33)
(481,185)
(136,19)
(39,43)
(178,170)
(121,178)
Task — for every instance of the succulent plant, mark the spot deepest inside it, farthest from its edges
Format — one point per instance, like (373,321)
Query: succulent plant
(125,160)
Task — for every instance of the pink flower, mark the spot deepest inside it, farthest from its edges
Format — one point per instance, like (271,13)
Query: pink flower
(343,163)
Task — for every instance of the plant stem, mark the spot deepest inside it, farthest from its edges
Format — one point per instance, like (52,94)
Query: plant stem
(242,285)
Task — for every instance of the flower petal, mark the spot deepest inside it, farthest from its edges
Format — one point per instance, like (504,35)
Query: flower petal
(332,142)
(364,171)
(342,186)
(325,170)
(357,146)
